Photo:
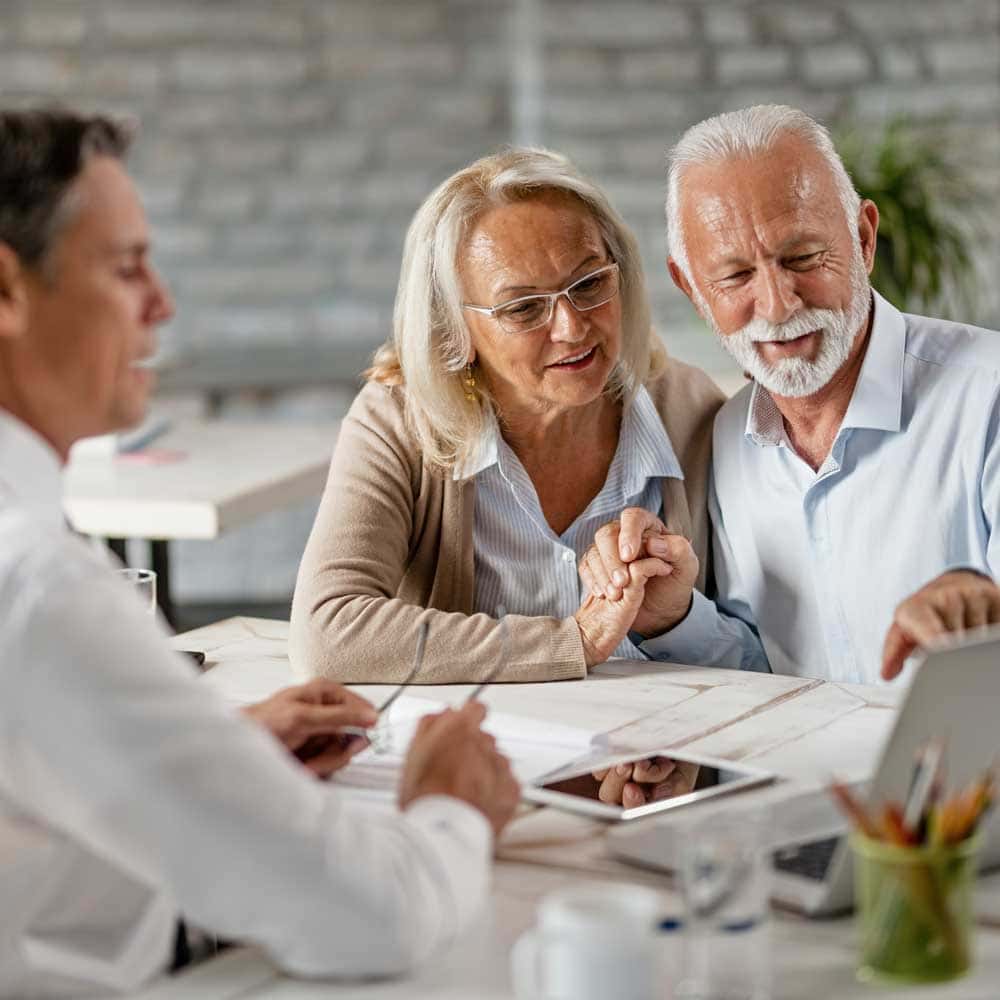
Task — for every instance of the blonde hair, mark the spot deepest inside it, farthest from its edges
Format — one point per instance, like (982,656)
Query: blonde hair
(431,340)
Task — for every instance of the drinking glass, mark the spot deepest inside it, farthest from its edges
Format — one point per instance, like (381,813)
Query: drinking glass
(143,583)
(725,877)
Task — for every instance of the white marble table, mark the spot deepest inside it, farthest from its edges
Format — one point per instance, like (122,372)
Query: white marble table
(801,729)
(225,472)
(199,479)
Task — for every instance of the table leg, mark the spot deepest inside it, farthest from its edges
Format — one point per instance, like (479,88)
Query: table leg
(159,549)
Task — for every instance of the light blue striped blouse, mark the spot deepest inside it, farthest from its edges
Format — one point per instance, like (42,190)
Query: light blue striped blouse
(520,561)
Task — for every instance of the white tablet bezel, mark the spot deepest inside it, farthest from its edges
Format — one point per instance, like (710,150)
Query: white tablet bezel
(751,777)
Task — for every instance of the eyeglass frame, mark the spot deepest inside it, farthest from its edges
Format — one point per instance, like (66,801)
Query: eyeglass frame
(551,298)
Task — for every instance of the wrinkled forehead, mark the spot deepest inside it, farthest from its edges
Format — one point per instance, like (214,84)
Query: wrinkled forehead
(530,240)
(789,192)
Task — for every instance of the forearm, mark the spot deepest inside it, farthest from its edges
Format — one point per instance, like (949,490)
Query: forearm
(405,886)
(362,639)
(190,795)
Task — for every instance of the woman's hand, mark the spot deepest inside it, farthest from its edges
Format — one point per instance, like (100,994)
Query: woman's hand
(640,535)
(604,620)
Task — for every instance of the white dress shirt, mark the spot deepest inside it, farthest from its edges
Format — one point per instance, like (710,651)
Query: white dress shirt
(816,562)
(129,793)
(521,562)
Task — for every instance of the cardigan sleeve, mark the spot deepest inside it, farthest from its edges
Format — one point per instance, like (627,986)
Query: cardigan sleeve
(348,622)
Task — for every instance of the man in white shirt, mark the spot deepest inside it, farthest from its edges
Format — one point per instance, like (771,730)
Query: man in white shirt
(128,793)
(862,461)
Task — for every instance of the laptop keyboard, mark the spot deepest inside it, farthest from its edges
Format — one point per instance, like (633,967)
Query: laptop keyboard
(810,860)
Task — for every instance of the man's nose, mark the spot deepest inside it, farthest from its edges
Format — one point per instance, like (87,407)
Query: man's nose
(568,325)
(161,306)
(777,300)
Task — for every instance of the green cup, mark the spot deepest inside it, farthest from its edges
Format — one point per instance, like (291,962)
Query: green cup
(914,907)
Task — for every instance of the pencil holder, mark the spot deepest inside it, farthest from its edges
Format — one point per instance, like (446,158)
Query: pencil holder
(914,909)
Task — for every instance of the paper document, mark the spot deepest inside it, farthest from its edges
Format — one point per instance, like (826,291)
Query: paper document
(534,747)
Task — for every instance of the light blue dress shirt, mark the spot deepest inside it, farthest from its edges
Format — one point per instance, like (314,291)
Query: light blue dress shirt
(520,561)
(817,562)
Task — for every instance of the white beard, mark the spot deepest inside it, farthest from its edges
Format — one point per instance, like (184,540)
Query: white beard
(797,376)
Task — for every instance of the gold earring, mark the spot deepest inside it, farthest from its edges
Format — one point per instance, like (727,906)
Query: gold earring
(469,380)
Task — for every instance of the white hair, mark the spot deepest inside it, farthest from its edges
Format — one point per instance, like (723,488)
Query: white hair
(747,133)
(431,340)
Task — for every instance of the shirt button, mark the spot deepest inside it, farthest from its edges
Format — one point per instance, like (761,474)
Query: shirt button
(569,557)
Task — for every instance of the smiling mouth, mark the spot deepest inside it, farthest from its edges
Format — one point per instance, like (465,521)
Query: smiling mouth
(576,360)
(792,340)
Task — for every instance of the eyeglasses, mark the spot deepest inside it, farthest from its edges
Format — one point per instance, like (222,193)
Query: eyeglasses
(530,312)
(379,736)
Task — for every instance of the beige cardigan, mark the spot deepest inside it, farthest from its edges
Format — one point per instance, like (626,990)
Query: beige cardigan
(392,546)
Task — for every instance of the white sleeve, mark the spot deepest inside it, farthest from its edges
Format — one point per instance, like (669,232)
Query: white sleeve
(709,638)
(191,792)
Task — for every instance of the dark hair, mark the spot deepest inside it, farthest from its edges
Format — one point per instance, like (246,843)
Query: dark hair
(41,153)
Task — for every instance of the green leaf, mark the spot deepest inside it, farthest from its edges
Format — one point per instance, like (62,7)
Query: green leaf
(930,214)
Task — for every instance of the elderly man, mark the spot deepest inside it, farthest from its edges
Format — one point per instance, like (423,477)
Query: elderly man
(128,793)
(863,460)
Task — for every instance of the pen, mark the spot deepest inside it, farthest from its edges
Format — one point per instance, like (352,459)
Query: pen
(372,734)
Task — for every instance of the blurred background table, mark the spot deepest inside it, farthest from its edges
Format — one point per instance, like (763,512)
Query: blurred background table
(196,481)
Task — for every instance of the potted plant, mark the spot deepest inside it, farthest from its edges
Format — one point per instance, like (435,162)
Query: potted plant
(924,261)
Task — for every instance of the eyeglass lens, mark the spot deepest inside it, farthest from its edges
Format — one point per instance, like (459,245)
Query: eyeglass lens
(533,311)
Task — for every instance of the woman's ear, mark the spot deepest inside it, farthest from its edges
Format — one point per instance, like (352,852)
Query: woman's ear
(13,294)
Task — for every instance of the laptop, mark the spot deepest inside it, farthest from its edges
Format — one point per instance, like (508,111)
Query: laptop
(954,696)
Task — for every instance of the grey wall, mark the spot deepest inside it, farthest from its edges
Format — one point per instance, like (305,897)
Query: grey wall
(285,145)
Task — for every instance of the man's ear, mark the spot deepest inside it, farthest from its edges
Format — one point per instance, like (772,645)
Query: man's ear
(13,294)
(678,277)
(867,231)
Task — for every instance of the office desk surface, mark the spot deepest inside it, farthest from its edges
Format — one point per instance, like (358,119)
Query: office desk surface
(801,729)
(217,474)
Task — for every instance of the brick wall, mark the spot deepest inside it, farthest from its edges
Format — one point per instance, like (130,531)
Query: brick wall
(285,145)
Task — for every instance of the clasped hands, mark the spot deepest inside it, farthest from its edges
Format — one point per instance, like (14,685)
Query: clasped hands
(638,577)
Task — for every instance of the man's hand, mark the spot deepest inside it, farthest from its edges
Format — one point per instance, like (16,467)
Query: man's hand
(451,755)
(638,535)
(306,718)
(950,603)
(651,780)
(604,620)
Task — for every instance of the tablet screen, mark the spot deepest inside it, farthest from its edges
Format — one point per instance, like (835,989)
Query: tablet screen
(625,787)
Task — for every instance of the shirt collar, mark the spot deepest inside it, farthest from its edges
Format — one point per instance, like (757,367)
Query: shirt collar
(643,444)
(487,452)
(30,469)
(877,400)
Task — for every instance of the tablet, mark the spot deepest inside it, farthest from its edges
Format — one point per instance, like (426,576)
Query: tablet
(670,780)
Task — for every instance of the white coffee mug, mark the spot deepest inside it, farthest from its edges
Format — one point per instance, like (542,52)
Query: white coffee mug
(594,941)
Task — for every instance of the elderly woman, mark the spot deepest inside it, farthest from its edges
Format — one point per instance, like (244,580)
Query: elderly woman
(523,403)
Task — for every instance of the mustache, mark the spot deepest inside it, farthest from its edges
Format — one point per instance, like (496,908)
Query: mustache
(807,321)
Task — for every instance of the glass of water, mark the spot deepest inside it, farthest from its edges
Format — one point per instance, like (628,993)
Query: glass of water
(725,877)
(143,583)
